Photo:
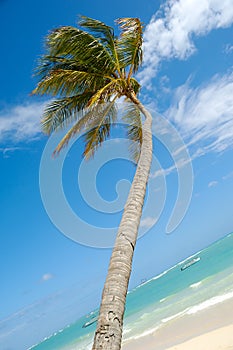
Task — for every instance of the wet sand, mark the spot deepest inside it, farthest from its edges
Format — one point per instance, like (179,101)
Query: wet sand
(208,329)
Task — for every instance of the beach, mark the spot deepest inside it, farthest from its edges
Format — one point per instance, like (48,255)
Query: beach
(208,329)
(178,309)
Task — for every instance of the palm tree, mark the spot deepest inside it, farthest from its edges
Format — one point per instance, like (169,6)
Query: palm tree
(88,68)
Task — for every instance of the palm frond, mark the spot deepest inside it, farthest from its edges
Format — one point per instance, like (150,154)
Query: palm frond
(134,130)
(59,113)
(89,120)
(76,44)
(70,82)
(104,33)
(106,92)
(135,85)
(130,43)
(47,64)
(99,129)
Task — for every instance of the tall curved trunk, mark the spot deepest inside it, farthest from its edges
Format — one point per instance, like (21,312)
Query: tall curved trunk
(110,322)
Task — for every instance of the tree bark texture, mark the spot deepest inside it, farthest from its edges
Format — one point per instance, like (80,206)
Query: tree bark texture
(108,334)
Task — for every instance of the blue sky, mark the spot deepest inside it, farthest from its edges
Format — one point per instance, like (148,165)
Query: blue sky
(49,280)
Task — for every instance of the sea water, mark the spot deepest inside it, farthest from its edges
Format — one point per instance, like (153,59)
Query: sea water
(163,298)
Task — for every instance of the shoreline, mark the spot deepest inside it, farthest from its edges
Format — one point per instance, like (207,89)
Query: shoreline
(221,338)
(213,325)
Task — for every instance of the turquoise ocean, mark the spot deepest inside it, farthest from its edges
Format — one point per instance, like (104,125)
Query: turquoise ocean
(163,298)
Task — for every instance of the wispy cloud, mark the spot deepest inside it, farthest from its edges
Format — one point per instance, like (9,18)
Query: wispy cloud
(180,163)
(163,172)
(47,277)
(212,183)
(171,31)
(228,49)
(7,151)
(21,123)
(228,176)
(148,221)
(203,115)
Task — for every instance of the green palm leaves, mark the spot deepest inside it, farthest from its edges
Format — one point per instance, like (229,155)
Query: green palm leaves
(130,43)
(88,68)
(97,122)
(132,118)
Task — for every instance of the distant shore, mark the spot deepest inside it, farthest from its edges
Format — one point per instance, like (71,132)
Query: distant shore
(209,329)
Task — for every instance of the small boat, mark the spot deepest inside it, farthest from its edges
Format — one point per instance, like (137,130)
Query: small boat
(89,323)
(190,263)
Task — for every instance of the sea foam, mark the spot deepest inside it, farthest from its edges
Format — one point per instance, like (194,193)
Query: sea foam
(195,285)
(210,302)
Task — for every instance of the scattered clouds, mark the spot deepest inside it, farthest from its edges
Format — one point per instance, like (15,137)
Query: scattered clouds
(212,183)
(179,163)
(163,172)
(203,115)
(228,49)
(148,221)
(171,31)
(165,84)
(7,151)
(228,176)
(47,277)
(21,123)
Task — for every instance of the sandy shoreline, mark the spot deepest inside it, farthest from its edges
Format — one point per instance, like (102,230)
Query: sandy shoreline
(209,329)
(221,338)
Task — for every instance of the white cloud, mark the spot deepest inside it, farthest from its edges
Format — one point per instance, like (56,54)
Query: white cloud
(212,183)
(148,221)
(163,172)
(171,31)
(47,277)
(6,151)
(228,176)
(21,123)
(204,115)
(179,163)
(228,49)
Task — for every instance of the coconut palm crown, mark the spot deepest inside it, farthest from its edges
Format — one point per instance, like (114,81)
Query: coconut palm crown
(88,68)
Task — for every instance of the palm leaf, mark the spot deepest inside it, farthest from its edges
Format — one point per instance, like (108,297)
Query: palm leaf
(84,48)
(48,64)
(99,129)
(135,85)
(59,113)
(91,119)
(106,92)
(70,82)
(130,43)
(134,130)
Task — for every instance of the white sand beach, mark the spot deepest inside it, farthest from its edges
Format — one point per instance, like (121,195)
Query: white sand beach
(209,329)
(219,339)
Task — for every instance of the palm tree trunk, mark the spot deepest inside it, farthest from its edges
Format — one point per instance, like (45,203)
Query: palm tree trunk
(110,322)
